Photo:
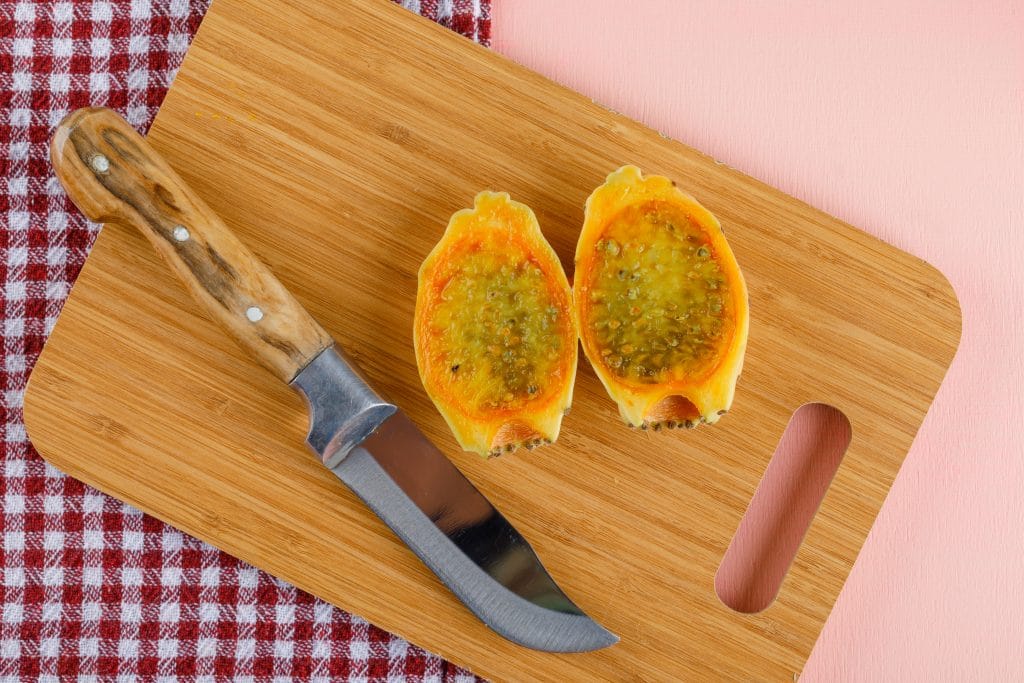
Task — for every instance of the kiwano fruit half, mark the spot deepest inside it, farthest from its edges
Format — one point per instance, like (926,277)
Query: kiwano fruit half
(494,330)
(661,304)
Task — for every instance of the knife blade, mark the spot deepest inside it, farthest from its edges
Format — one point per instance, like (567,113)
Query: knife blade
(113,175)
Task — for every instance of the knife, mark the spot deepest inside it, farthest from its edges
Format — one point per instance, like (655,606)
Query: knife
(114,176)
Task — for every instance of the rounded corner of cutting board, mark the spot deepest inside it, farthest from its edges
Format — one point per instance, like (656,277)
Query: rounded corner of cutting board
(38,404)
(941,312)
(945,292)
(41,401)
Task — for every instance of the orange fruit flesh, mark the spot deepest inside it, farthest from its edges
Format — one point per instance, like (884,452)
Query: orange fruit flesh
(496,329)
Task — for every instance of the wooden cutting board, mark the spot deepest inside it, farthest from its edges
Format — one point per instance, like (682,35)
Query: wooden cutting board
(336,137)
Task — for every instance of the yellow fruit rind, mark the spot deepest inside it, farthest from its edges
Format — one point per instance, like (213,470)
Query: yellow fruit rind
(661,303)
(494,332)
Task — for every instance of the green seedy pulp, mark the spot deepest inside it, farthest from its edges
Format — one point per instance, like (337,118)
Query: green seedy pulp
(499,330)
(659,302)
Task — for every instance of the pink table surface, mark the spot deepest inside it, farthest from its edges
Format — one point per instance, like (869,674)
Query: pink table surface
(907,120)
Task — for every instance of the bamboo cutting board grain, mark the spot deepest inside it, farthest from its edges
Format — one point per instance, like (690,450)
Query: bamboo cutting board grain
(336,137)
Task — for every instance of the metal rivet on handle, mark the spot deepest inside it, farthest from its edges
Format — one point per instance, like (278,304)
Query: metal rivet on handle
(180,233)
(100,163)
(254,314)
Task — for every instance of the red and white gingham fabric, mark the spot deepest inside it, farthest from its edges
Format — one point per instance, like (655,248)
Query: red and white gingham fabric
(90,588)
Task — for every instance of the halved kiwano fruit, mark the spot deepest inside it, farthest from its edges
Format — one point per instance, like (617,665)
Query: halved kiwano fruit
(660,301)
(494,332)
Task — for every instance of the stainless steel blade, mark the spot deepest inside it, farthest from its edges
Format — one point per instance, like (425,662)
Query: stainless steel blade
(410,484)
(463,539)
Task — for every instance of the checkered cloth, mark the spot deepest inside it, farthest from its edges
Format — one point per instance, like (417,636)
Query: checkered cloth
(89,587)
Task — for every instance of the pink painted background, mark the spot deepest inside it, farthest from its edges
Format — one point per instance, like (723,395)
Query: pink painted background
(907,120)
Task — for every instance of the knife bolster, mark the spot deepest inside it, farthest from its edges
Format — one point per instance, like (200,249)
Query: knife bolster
(343,409)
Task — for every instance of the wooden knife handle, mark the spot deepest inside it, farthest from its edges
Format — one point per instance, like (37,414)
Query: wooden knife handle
(114,176)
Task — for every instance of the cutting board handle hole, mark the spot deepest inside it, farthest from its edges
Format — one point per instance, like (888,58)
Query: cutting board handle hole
(782,508)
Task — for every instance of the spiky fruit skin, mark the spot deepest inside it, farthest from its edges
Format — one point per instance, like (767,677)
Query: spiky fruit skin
(661,303)
(494,330)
